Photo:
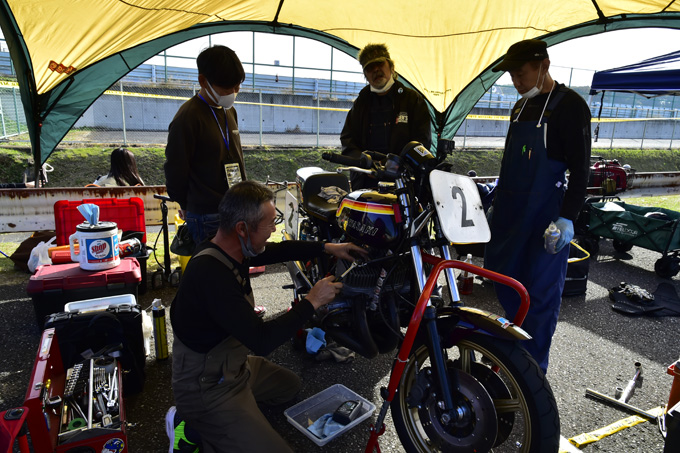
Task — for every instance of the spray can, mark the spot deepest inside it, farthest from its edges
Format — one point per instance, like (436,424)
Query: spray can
(551,236)
(465,279)
(160,332)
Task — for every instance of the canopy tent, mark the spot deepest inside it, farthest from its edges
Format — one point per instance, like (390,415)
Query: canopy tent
(68,52)
(656,76)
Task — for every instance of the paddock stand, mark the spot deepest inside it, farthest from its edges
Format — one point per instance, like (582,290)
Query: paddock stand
(165,275)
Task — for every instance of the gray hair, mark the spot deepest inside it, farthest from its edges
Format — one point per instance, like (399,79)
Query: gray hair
(243,202)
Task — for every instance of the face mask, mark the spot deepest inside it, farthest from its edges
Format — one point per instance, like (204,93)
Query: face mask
(225,101)
(247,247)
(535,91)
(384,89)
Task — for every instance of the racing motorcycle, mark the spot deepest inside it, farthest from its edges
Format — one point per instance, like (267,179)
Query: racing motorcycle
(461,382)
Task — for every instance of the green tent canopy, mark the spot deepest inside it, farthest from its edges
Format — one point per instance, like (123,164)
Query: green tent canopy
(68,52)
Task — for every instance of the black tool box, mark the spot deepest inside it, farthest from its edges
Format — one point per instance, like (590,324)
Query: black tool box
(96,330)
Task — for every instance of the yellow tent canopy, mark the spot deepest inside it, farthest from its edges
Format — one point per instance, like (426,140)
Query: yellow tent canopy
(67,52)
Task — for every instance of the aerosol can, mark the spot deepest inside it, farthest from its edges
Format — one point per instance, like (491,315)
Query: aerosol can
(551,235)
(160,332)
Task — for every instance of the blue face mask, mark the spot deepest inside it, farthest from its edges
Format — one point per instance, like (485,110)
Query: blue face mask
(247,247)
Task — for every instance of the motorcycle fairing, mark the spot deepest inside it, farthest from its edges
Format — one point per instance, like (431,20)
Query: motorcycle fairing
(452,320)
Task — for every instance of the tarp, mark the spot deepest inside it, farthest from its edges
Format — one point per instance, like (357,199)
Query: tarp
(656,76)
(68,52)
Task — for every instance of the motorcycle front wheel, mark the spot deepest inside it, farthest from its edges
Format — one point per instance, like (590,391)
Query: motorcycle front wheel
(505,403)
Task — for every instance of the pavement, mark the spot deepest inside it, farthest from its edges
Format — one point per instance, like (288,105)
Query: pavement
(593,347)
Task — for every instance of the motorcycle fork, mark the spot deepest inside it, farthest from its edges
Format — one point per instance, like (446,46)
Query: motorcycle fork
(445,381)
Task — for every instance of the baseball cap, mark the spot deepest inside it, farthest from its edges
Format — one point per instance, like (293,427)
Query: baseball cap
(521,52)
(373,53)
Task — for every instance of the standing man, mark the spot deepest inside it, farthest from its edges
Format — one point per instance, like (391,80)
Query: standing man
(204,147)
(549,134)
(385,116)
(216,383)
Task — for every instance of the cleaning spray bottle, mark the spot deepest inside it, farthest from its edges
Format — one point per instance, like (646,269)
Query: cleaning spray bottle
(160,332)
(551,235)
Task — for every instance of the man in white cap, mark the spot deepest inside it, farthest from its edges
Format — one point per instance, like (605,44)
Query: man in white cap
(549,134)
(385,116)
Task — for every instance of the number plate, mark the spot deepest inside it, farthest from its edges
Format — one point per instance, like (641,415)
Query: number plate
(459,208)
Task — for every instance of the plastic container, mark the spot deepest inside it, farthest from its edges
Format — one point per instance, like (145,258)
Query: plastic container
(465,280)
(100,246)
(551,235)
(100,303)
(327,401)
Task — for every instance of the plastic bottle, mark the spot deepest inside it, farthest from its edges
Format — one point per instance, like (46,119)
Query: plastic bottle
(551,235)
(465,279)
(160,332)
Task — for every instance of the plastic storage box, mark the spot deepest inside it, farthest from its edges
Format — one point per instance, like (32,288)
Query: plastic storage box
(128,213)
(53,285)
(327,401)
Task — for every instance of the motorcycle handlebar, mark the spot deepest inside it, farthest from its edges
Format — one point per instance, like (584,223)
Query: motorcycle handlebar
(361,162)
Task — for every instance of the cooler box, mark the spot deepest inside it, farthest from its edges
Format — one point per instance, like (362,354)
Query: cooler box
(128,213)
(53,285)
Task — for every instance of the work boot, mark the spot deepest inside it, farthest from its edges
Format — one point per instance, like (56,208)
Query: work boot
(179,434)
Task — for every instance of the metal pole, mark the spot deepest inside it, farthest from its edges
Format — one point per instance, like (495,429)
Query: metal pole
(644,131)
(16,109)
(165,65)
(253,75)
(465,134)
(331,80)
(571,73)
(318,118)
(122,108)
(675,122)
(260,93)
(293,78)
(611,142)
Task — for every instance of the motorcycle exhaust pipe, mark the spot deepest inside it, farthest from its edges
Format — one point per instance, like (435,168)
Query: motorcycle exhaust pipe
(625,395)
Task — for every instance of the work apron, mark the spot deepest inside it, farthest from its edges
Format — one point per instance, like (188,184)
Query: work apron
(216,393)
(528,197)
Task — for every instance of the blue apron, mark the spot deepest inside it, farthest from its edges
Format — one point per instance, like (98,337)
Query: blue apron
(529,196)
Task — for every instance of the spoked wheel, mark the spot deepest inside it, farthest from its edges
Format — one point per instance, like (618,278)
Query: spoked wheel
(504,404)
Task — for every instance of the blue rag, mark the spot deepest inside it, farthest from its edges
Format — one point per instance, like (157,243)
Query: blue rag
(325,426)
(91,212)
(316,339)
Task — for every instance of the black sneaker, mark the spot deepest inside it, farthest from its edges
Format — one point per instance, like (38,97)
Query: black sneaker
(175,427)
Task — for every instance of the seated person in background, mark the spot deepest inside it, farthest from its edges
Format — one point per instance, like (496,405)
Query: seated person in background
(123,170)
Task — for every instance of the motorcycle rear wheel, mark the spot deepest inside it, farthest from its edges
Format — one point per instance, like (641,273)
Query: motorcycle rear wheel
(517,395)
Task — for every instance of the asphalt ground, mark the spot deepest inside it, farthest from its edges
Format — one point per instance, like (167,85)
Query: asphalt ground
(593,347)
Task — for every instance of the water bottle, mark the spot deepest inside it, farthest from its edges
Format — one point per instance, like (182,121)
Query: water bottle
(160,332)
(465,279)
(551,235)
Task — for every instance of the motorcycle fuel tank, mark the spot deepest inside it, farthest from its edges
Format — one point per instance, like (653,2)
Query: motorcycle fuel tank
(370,217)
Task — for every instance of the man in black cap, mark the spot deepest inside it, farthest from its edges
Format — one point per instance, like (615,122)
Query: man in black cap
(549,134)
(385,116)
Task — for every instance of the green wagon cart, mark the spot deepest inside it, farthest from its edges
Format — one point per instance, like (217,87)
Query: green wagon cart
(652,228)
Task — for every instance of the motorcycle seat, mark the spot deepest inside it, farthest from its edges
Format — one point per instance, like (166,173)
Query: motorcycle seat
(314,204)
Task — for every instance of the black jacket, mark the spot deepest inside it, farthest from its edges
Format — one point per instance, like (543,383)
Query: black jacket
(410,121)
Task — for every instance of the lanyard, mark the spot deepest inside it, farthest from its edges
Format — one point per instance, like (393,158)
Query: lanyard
(225,137)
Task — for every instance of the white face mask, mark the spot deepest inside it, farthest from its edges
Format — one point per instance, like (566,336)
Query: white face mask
(226,102)
(384,89)
(535,91)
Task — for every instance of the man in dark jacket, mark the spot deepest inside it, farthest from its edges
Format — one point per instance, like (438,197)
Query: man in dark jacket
(204,147)
(385,116)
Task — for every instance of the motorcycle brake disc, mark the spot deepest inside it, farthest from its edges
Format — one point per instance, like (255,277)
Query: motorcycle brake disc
(476,431)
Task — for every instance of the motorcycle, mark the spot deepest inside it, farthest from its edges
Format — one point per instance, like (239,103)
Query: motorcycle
(461,382)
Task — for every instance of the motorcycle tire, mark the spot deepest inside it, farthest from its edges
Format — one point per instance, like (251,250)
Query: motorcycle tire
(504,392)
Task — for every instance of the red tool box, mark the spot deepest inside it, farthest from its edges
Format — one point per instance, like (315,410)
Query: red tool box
(75,409)
(128,213)
(53,285)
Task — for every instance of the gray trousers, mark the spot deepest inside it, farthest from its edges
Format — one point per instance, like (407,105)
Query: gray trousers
(217,395)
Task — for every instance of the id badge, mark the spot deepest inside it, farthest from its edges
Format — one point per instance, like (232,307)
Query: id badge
(232,173)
